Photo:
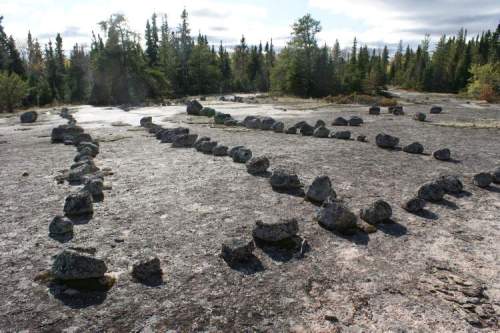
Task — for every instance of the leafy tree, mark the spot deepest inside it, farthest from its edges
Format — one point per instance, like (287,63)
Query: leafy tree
(12,91)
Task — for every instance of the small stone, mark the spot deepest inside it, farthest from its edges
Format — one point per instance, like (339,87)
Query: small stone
(431,191)
(366,227)
(386,141)
(207,147)
(60,226)
(374,110)
(482,179)
(77,265)
(275,231)
(194,108)
(377,212)
(285,180)
(413,205)
(355,121)
(79,203)
(396,110)
(320,190)
(341,135)
(237,250)
(321,132)
(320,123)
(419,116)
(147,270)
(146,121)
(442,154)
(306,130)
(184,141)
(335,216)
(291,130)
(25,174)
(451,184)
(242,155)
(278,127)
(414,148)
(340,121)
(496,175)
(29,117)
(361,138)
(436,109)
(220,150)
(257,165)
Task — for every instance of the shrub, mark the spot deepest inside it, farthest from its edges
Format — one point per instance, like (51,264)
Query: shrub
(12,91)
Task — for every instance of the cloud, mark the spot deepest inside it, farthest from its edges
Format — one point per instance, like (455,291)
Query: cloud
(218,29)
(205,12)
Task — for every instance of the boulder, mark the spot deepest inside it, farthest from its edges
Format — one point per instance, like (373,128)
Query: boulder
(194,108)
(451,184)
(341,135)
(168,135)
(200,140)
(320,123)
(431,191)
(220,118)
(89,147)
(386,141)
(355,121)
(207,112)
(336,216)
(257,165)
(60,226)
(306,130)
(248,119)
(321,132)
(275,231)
(340,121)
(278,127)
(184,140)
(29,117)
(79,203)
(80,169)
(253,123)
(95,186)
(231,122)
(283,179)
(242,155)
(320,190)
(233,150)
(374,110)
(146,121)
(65,132)
(291,130)
(414,148)
(154,129)
(442,154)
(207,147)
(436,109)
(237,250)
(377,212)
(419,116)
(496,175)
(84,137)
(266,123)
(220,150)
(482,179)
(77,265)
(147,270)
(413,205)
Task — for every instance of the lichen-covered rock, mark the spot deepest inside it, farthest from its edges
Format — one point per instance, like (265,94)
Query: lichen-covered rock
(237,250)
(341,135)
(355,121)
(414,148)
(220,118)
(451,184)
(278,127)
(340,121)
(374,110)
(60,226)
(266,123)
(194,108)
(386,141)
(242,155)
(207,112)
(377,212)
(275,231)
(436,109)
(431,191)
(496,175)
(75,265)
(285,180)
(207,147)
(306,130)
(442,154)
(413,205)
(482,179)
(147,270)
(29,117)
(336,216)
(419,116)
(146,121)
(184,140)
(320,190)
(321,132)
(258,165)
(79,203)
(291,130)
(220,150)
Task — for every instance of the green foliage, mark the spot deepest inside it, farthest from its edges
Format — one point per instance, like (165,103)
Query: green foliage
(485,82)
(12,90)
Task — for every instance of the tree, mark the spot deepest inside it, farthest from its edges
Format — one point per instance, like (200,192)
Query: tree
(77,78)
(12,91)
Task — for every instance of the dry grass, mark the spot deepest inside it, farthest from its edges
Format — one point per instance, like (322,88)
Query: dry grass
(362,99)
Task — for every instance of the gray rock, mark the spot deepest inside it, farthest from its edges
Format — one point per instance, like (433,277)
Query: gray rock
(436,109)
(80,169)
(442,154)
(306,130)
(258,165)
(355,121)
(65,132)
(237,250)
(220,150)
(320,123)
(200,140)
(168,135)
(84,137)
(336,216)
(220,118)
(60,226)
(482,179)
(75,265)
(291,130)
(79,203)
(414,148)
(341,135)
(233,150)
(340,121)
(146,121)
(321,132)
(184,140)
(91,148)
(278,127)
(147,270)
(396,110)
(374,110)
(231,122)
(299,125)
(207,147)
(419,116)
(451,184)
(285,180)
(207,112)
(431,191)
(275,231)
(248,119)
(386,141)
(320,190)
(29,117)
(361,138)
(496,175)
(266,123)
(194,108)
(95,186)
(377,212)
(242,155)
(253,123)
(413,205)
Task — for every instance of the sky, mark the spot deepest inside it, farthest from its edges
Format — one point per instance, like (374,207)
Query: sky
(373,22)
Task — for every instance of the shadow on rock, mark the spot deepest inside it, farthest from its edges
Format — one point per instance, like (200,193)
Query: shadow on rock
(463,194)
(79,294)
(80,220)
(295,193)
(266,174)
(62,238)
(248,267)
(427,214)
(494,189)
(358,237)
(392,228)
(447,204)
(284,250)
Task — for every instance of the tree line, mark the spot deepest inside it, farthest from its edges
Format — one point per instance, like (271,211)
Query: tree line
(121,67)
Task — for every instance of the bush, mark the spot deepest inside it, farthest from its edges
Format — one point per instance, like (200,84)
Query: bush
(12,91)
(485,82)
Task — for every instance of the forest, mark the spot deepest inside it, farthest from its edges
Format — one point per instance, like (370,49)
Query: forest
(124,67)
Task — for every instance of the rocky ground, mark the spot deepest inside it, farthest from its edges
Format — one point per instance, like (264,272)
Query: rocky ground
(438,272)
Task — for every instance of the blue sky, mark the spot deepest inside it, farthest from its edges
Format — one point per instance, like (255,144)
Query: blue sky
(374,22)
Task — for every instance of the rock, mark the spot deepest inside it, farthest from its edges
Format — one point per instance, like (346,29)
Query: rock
(242,155)
(442,154)
(207,112)
(377,212)
(168,135)
(414,148)
(419,116)
(207,147)
(29,117)
(374,110)
(77,265)
(80,169)
(340,121)
(278,127)
(482,179)
(60,226)
(220,150)
(95,186)
(154,129)
(496,175)
(436,109)
(65,132)
(275,231)
(266,123)
(253,123)
(321,132)
(396,110)
(257,165)
(184,140)
(361,138)
(84,137)
(320,190)
(319,123)
(431,191)
(300,124)
(220,118)
(283,179)
(451,184)
(355,121)
(231,122)
(146,121)
(222,98)
(335,216)
(79,203)
(413,205)
(91,148)
(147,270)
(234,150)
(194,108)
(198,142)
(386,141)
(341,135)
(248,119)
(203,98)
(306,130)
(237,250)
(291,130)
